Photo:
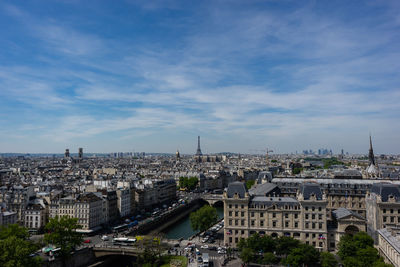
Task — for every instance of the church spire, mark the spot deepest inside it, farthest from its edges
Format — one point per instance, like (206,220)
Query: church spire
(371,152)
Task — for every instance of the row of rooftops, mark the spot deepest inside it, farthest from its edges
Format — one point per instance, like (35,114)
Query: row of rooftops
(306,189)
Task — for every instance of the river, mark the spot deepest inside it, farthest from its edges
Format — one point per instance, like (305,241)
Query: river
(182,228)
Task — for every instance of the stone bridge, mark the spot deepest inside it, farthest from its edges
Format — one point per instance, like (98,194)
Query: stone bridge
(212,199)
(115,250)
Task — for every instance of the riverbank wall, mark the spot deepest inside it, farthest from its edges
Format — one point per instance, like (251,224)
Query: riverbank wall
(164,222)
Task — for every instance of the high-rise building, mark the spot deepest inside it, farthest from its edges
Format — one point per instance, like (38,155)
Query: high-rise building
(80,153)
(66,153)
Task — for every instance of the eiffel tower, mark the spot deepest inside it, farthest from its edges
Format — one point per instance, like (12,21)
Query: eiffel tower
(198,152)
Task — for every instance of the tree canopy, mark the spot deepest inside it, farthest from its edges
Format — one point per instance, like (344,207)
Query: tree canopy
(188,183)
(250,183)
(203,218)
(358,250)
(62,233)
(16,249)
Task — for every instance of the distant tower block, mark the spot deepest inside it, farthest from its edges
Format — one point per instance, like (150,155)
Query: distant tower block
(198,152)
(66,153)
(80,153)
(178,155)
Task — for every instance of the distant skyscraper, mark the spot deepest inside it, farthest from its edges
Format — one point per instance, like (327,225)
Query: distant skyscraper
(198,152)
(66,153)
(80,153)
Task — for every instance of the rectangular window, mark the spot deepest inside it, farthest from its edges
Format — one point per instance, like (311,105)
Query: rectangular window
(236,213)
(230,222)
(230,213)
(242,213)
(242,222)
(274,215)
(242,206)
(306,216)
(286,224)
(273,224)
(261,223)
(319,216)
(286,215)
(261,214)
(295,216)
(296,224)
(252,222)
(252,214)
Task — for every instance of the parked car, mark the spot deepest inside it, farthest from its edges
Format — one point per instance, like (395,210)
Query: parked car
(87,241)
(204,247)
(105,238)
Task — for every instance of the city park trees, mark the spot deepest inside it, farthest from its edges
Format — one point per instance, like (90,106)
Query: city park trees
(358,250)
(354,251)
(62,233)
(203,218)
(16,249)
(188,183)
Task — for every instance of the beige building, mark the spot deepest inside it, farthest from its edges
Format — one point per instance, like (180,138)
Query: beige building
(383,208)
(36,214)
(88,208)
(389,245)
(303,218)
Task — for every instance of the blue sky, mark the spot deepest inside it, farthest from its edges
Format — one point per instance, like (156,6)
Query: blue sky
(152,75)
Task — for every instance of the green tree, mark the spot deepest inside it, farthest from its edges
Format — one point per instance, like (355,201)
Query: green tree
(285,244)
(183,182)
(62,233)
(247,255)
(16,249)
(328,259)
(297,170)
(203,218)
(192,183)
(303,255)
(269,258)
(250,183)
(13,230)
(358,250)
(346,247)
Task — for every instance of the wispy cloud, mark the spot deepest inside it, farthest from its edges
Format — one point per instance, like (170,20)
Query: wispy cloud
(253,71)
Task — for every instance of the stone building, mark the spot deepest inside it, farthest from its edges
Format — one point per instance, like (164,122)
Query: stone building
(36,214)
(389,245)
(16,198)
(383,208)
(303,218)
(7,217)
(340,193)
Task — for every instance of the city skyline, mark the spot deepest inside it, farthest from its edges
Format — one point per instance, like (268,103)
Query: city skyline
(153,76)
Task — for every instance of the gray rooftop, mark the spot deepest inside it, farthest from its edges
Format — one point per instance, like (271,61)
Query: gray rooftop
(236,188)
(262,189)
(342,213)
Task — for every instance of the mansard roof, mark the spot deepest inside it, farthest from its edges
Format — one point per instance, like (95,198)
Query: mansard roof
(236,187)
(384,190)
(309,189)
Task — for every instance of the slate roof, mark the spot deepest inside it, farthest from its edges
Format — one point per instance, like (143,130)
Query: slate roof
(236,187)
(342,213)
(385,190)
(262,189)
(307,189)
(279,201)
